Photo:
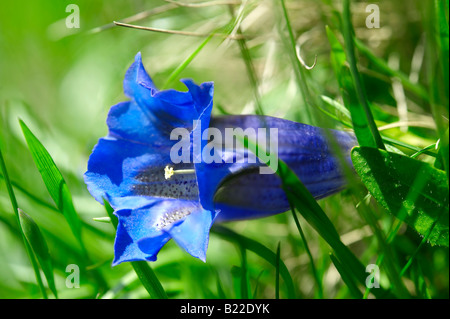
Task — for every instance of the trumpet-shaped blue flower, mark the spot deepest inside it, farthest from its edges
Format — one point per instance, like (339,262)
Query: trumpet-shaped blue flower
(128,168)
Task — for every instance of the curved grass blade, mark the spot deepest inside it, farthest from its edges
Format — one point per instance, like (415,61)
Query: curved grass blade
(339,108)
(186,62)
(249,65)
(347,278)
(15,207)
(308,252)
(291,47)
(300,198)
(39,246)
(244,280)
(348,92)
(255,291)
(220,292)
(259,249)
(277,272)
(413,191)
(60,193)
(53,180)
(361,113)
(379,63)
(149,279)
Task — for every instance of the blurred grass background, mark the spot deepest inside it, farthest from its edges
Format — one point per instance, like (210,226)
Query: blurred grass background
(61,82)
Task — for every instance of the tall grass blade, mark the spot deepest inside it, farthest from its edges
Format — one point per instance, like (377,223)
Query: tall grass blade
(308,252)
(259,249)
(175,73)
(149,279)
(382,65)
(347,278)
(246,56)
(299,197)
(60,193)
(363,114)
(244,282)
(15,207)
(277,272)
(53,180)
(300,76)
(39,247)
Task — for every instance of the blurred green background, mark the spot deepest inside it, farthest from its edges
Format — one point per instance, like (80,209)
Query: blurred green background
(61,82)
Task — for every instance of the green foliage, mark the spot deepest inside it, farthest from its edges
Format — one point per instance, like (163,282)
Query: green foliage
(419,199)
(39,246)
(262,251)
(53,180)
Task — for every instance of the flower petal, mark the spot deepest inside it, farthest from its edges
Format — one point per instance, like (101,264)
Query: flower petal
(240,192)
(128,174)
(127,121)
(142,232)
(193,234)
(137,83)
(135,224)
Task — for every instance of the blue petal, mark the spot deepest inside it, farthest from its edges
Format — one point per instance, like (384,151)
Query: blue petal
(127,121)
(138,136)
(143,231)
(193,234)
(169,107)
(116,165)
(137,83)
(240,192)
(135,224)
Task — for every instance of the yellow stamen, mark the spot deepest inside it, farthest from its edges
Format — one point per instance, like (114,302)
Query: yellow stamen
(169,172)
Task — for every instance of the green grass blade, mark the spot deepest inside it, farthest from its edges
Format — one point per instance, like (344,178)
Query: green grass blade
(443,41)
(343,115)
(348,92)
(9,188)
(347,278)
(110,212)
(255,291)
(382,65)
(259,249)
(53,180)
(39,246)
(308,252)
(300,198)
(244,280)
(277,272)
(220,292)
(363,107)
(291,47)
(368,119)
(437,75)
(60,193)
(15,207)
(149,279)
(392,141)
(175,73)
(246,56)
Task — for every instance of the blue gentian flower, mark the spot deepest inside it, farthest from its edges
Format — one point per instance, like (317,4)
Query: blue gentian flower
(128,168)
